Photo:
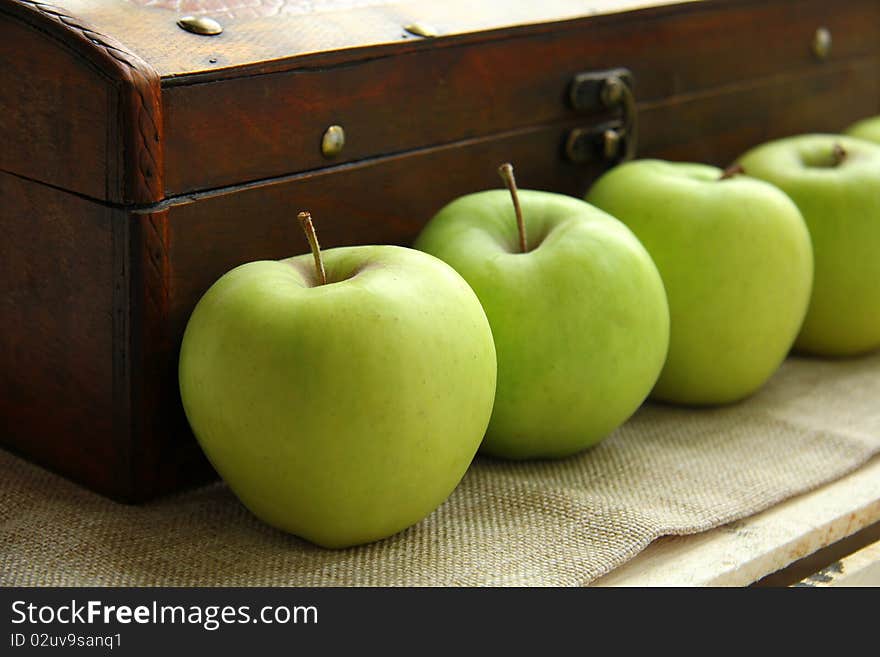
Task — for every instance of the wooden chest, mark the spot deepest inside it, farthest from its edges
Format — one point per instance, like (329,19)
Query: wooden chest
(140,160)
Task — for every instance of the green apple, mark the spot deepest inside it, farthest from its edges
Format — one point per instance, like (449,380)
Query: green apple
(835,181)
(866,129)
(340,412)
(735,258)
(579,316)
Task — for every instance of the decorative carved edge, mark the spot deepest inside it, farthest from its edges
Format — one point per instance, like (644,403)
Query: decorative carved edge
(138,178)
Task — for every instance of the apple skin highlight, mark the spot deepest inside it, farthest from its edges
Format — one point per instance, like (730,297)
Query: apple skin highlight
(835,182)
(346,412)
(868,129)
(736,262)
(580,320)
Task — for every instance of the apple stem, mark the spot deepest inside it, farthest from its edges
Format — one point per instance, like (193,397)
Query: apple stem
(305,219)
(506,173)
(838,155)
(734,169)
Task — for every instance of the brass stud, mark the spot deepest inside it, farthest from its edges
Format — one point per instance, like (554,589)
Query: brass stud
(201,25)
(333,141)
(822,43)
(422,29)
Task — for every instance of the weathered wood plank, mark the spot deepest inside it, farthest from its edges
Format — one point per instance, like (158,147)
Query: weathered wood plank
(741,552)
(861,568)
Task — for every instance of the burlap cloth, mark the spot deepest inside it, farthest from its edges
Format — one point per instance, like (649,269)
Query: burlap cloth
(667,471)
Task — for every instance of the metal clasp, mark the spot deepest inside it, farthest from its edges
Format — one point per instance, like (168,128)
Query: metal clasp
(616,140)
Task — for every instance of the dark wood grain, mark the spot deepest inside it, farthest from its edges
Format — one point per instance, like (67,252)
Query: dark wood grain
(719,126)
(252,44)
(97,123)
(57,394)
(396,103)
(87,359)
(262,43)
(39,139)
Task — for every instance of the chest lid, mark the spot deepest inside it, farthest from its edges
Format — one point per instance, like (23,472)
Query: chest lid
(128,103)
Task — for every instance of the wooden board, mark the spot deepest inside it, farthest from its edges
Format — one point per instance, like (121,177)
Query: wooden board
(742,552)
(98,109)
(63,398)
(265,34)
(691,94)
(861,568)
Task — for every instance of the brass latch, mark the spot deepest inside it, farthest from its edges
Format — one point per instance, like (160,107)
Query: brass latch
(615,140)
